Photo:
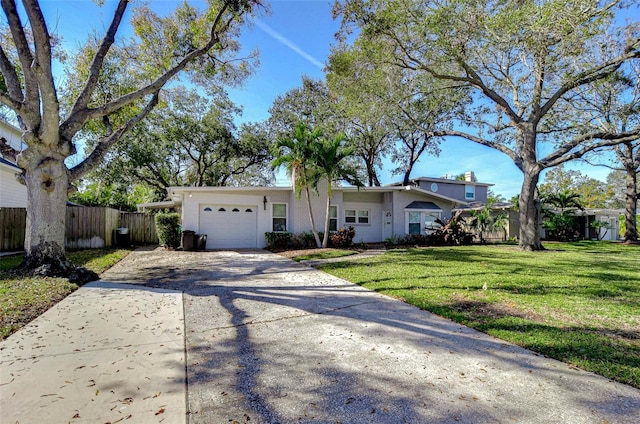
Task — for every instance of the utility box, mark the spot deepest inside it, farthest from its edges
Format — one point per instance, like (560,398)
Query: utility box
(201,241)
(188,240)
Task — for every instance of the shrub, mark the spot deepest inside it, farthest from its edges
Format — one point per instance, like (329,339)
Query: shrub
(343,237)
(417,240)
(279,240)
(168,229)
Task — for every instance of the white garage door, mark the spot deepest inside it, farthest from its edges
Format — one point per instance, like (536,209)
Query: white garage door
(229,226)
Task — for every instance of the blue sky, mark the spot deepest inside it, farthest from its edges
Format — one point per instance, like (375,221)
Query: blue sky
(295,40)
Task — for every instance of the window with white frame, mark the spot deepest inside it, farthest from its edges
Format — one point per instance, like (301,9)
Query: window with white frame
(469,192)
(333,218)
(415,222)
(421,222)
(356,216)
(279,217)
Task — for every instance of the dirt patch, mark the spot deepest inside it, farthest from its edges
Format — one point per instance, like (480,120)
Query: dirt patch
(293,253)
(494,310)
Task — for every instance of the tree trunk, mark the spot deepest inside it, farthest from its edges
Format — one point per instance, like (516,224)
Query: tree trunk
(313,223)
(631,199)
(47,185)
(325,238)
(530,211)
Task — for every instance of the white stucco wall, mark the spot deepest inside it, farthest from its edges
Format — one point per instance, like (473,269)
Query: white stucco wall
(12,193)
(191,208)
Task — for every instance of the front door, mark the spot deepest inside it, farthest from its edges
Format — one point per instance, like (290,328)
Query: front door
(387,224)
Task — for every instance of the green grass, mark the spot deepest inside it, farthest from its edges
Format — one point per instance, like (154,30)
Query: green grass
(327,254)
(24,298)
(576,302)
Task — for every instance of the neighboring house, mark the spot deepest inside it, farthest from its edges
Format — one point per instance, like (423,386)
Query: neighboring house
(587,217)
(235,217)
(12,193)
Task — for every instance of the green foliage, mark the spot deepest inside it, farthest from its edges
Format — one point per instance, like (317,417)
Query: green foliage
(343,237)
(585,314)
(560,215)
(278,240)
(168,229)
(113,195)
(599,226)
(305,240)
(488,220)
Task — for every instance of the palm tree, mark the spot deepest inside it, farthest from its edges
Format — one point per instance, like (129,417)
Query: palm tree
(562,223)
(296,154)
(329,159)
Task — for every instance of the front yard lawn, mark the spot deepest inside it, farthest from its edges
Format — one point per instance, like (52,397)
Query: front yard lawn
(576,302)
(24,298)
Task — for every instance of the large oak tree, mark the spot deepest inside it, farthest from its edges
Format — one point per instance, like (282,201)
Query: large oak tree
(525,63)
(162,47)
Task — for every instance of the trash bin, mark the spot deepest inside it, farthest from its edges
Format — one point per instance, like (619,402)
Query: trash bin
(188,240)
(123,238)
(201,241)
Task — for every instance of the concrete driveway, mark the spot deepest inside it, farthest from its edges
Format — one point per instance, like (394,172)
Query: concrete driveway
(271,341)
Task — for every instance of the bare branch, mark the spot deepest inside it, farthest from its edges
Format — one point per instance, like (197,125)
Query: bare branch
(98,154)
(562,154)
(42,68)
(31,91)
(98,59)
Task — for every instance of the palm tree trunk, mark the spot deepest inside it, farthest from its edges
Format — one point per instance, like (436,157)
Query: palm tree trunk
(313,223)
(325,239)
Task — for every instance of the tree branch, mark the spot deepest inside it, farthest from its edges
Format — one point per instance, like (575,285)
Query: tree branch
(42,70)
(31,113)
(76,120)
(98,59)
(561,155)
(98,154)
(609,139)
(10,77)
(597,73)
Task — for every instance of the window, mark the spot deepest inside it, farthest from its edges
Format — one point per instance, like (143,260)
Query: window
(415,223)
(279,217)
(363,217)
(333,218)
(207,209)
(248,210)
(469,192)
(421,222)
(222,210)
(235,210)
(356,216)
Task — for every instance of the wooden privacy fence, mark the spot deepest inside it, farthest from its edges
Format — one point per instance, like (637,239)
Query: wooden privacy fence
(142,227)
(86,227)
(12,224)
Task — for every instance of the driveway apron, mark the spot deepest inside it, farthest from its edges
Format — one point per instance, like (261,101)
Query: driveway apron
(272,341)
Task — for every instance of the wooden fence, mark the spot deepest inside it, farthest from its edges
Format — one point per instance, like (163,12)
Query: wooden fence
(90,227)
(142,227)
(12,224)
(87,227)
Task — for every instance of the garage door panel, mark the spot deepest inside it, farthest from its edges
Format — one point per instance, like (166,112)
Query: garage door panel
(229,226)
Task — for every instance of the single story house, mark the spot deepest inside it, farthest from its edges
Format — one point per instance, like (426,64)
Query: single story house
(12,193)
(239,217)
